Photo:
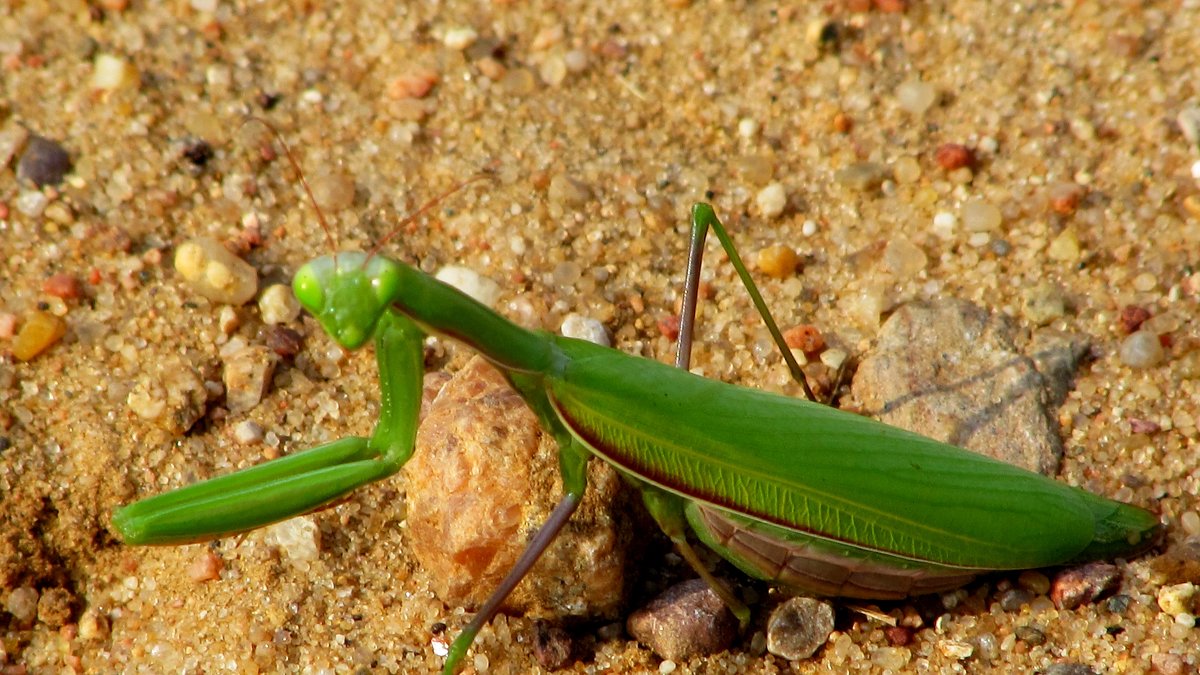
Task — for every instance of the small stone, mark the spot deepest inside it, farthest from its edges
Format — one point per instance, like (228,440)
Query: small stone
(777,261)
(686,620)
(474,284)
(798,627)
(807,338)
(980,216)
(1064,198)
(584,328)
(228,320)
(756,170)
(568,192)
(459,39)
(247,432)
(8,325)
(1082,585)
(12,140)
(1177,599)
(1043,303)
(1064,247)
(898,636)
(907,170)
(903,258)
(551,645)
(862,176)
(247,376)
(284,341)
(951,156)
(1142,349)
(212,271)
(43,162)
(206,567)
(22,603)
(93,625)
(771,200)
(944,224)
(32,203)
(956,649)
(298,538)
(64,286)
(1035,582)
(1131,318)
(1189,123)
(278,305)
(417,83)
(334,189)
(39,332)
(915,96)
(1030,635)
(1014,599)
(111,72)
(174,395)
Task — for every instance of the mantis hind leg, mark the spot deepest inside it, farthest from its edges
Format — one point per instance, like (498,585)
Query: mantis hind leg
(703,219)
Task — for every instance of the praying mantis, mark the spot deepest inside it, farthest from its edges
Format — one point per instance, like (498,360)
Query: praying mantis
(789,490)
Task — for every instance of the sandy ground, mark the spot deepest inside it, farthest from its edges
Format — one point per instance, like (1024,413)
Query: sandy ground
(603,126)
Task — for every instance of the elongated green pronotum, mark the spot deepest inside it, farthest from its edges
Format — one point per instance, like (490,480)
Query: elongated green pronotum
(788,490)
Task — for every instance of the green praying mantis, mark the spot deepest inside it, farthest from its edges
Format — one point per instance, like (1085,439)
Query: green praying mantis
(788,490)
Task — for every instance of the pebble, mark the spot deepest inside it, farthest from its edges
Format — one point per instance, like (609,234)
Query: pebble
(956,649)
(22,603)
(980,216)
(771,200)
(228,320)
(8,325)
(212,271)
(43,162)
(64,286)
(798,627)
(958,355)
(278,305)
(206,567)
(1064,198)
(1014,599)
(1189,123)
(686,620)
(31,203)
(807,338)
(247,432)
(483,478)
(298,538)
(1177,599)
(944,224)
(284,341)
(1142,349)
(862,176)
(333,189)
(1033,581)
(915,96)
(416,83)
(1081,585)
(903,258)
(1131,318)
(951,156)
(111,72)
(247,376)
(585,328)
(907,170)
(38,332)
(93,625)
(1043,303)
(1030,635)
(54,607)
(777,261)
(568,192)
(12,139)
(756,170)
(474,284)
(1064,247)
(459,39)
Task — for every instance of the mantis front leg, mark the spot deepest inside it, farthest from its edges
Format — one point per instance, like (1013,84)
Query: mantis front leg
(302,482)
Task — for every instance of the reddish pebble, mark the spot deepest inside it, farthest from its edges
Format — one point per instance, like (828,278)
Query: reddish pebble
(63,286)
(1132,317)
(94,276)
(842,123)
(951,156)
(807,338)
(416,84)
(3,210)
(898,636)
(206,567)
(8,325)
(1064,198)
(891,6)
(669,327)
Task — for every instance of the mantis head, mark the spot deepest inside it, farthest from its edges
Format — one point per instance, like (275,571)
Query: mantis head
(347,293)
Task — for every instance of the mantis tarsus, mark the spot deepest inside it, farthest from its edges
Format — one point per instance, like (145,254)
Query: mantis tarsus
(788,490)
